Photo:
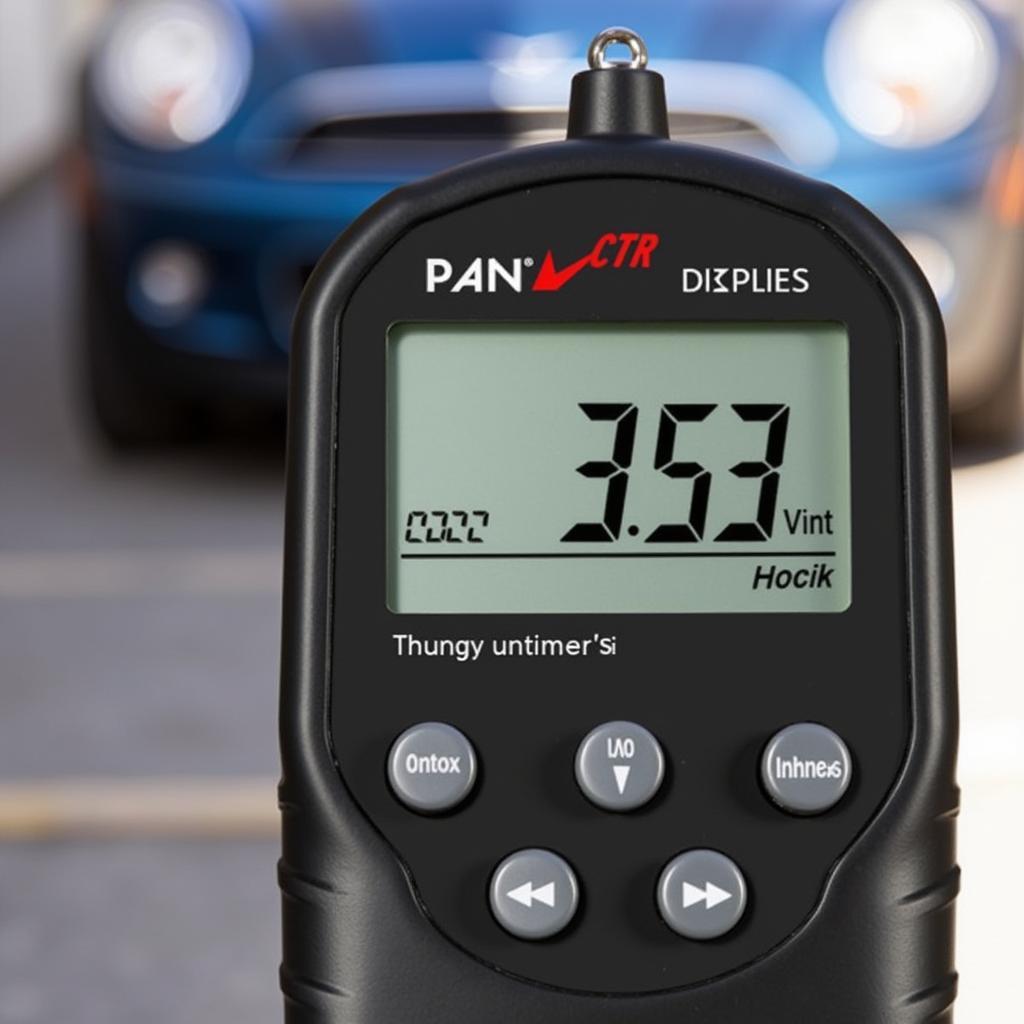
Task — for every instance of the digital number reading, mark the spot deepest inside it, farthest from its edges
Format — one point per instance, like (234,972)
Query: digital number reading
(765,471)
(614,470)
(454,527)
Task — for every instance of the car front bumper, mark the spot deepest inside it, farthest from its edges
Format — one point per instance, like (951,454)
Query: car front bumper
(258,237)
(253,242)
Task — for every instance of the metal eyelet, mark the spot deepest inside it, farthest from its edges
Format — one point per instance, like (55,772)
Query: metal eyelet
(597,55)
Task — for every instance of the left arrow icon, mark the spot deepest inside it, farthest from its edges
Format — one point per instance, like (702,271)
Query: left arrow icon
(527,895)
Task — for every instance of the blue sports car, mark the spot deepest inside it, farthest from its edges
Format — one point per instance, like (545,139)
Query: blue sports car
(226,142)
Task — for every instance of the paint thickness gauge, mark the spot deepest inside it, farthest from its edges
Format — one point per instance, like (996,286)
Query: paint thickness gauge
(619,670)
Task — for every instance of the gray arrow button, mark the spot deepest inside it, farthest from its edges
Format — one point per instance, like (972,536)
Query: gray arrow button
(702,895)
(534,894)
(620,766)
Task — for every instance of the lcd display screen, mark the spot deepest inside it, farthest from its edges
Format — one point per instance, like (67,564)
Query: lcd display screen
(618,468)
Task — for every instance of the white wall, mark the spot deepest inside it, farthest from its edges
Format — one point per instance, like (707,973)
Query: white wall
(39,45)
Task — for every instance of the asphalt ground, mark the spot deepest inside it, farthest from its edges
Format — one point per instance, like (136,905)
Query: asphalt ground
(139,610)
(139,622)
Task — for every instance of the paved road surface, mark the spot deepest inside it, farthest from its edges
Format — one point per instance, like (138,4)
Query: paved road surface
(138,629)
(139,614)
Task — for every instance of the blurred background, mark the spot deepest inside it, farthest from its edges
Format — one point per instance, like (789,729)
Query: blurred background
(170,171)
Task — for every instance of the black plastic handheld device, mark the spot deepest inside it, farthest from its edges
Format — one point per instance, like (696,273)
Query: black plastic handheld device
(619,669)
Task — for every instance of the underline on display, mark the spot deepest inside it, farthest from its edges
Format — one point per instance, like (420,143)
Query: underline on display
(436,555)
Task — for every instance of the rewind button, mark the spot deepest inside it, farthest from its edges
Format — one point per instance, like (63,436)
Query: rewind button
(534,894)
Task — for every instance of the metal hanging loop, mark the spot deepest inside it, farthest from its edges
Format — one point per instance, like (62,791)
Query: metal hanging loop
(597,55)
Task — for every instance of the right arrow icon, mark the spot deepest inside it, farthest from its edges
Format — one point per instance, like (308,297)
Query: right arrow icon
(711,895)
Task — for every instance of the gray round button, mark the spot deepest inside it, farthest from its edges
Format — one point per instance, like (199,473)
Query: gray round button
(432,768)
(806,769)
(620,766)
(702,895)
(534,894)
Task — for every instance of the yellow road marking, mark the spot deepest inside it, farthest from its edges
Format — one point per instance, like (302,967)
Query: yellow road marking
(209,808)
(42,574)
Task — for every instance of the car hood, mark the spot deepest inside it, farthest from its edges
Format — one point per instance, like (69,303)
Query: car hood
(404,31)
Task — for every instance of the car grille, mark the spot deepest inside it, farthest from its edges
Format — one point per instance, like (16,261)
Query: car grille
(426,141)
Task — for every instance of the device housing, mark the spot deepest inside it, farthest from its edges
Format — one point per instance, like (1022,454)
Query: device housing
(385,916)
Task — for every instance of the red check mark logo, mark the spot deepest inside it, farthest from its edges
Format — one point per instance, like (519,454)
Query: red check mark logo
(550,280)
(630,248)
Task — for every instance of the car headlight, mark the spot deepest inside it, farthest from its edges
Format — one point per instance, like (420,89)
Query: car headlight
(936,261)
(911,72)
(172,72)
